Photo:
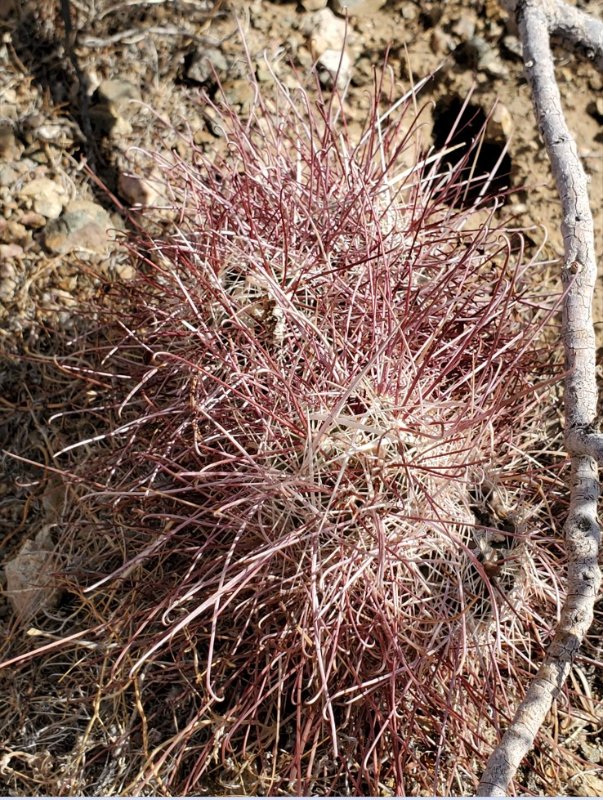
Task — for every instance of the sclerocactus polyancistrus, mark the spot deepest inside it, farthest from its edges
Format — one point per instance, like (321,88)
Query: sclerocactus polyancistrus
(320,363)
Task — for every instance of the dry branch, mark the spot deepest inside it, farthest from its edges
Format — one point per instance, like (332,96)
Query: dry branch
(583,442)
(537,19)
(574,29)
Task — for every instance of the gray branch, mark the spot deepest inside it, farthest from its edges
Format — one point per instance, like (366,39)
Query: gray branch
(573,28)
(536,21)
(586,443)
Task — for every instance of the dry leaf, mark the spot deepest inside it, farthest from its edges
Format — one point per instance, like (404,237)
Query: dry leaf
(30,583)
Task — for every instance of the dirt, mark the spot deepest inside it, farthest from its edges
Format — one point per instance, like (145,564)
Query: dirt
(60,123)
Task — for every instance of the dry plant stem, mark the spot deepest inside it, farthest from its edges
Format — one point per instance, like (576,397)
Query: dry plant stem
(582,531)
(577,31)
(588,443)
(69,48)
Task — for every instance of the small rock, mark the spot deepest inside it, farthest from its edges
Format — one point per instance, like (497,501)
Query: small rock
(82,226)
(500,124)
(334,66)
(30,584)
(125,271)
(139,191)
(106,123)
(13,232)
(363,71)
(9,106)
(119,96)
(239,93)
(11,251)
(114,103)
(8,175)
(9,146)
(305,59)
(8,277)
(325,31)
(203,138)
(595,109)
(513,47)
(357,8)
(265,71)
(492,65)
(477,54)
(90,80)
(314,5)
(29,126)
(31,219)
(409,11)
(439,42)
(213,123)
(205,64)
(48,197)
(60,130)
(465,28)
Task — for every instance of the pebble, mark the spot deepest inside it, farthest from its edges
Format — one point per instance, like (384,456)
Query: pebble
(266,71)
(477,54)
(61,132)
(492,65)
(440,42)
(8,275)
(325,31)
(31,219)
(8,175)
(314,5)
(30,124)
(465,28)
(139,191)
(10,148)
(334,66)
(595,109)
(409,11)
(513,46)
(13,232)
(500,124)
(363,71)
(11,251)
(82,226)
(207,63)
(358,8)
(239,93)
(47,196)
(114,103)
(120,96)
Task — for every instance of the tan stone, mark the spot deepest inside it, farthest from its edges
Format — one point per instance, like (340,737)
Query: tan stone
(47,196)
(83,227)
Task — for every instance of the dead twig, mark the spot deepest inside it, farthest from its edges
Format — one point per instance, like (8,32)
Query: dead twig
(133,35)
(537,19)
(574,29)
(70,35)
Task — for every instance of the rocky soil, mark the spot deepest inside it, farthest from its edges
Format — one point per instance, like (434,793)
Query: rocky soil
(88,87)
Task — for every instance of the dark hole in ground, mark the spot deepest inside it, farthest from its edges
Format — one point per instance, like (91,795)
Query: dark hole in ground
(477,157)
